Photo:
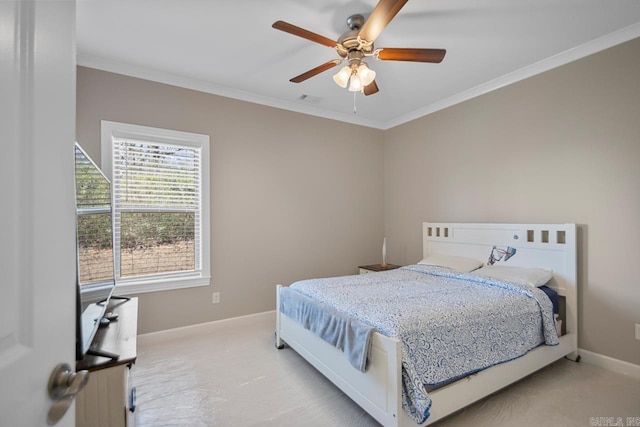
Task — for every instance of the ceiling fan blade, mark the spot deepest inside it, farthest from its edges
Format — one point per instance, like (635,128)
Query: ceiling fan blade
(371,88)
(319,69)
(411,54)
(305,34)
(382,14)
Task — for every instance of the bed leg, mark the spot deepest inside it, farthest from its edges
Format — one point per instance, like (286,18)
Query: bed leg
(279,342)
(573,356)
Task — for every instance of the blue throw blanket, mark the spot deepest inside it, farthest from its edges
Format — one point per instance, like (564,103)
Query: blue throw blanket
(349,335)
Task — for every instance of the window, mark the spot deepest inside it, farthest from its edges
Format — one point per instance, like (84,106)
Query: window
(160,186)
(93,223)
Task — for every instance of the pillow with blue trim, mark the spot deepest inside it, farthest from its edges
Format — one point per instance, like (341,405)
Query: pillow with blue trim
(534,277)
(456,263)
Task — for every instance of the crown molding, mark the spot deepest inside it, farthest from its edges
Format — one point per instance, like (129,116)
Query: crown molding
(112,66)
(609,40)
(570,55)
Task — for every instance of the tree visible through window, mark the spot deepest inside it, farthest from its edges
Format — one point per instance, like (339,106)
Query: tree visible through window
(153,242)
(158,204)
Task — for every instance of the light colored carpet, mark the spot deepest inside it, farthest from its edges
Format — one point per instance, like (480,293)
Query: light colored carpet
(230,374)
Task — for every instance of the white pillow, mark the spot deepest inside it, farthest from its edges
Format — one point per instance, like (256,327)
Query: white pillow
(456,263)
(534,277)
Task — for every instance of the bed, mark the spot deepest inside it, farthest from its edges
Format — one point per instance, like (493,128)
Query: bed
(379,388)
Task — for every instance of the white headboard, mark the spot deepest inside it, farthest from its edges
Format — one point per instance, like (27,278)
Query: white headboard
(550,246)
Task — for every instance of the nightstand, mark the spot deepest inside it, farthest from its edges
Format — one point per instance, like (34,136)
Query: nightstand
(364,269)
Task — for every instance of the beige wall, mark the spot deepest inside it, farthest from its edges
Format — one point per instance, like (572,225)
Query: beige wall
(563,146)
(295,196)
(292,196)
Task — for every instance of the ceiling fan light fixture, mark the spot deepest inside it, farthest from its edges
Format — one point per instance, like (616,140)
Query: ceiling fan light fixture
(355,84)
(342,77)
(366,74)
(357,44)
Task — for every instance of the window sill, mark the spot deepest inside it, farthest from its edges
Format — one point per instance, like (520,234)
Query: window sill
(133,287)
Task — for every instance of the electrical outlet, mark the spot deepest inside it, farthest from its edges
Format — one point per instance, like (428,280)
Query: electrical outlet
(638,331)
(216,298)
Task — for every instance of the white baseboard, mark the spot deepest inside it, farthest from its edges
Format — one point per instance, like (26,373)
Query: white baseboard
(615,365)
(586,356)
(202,328)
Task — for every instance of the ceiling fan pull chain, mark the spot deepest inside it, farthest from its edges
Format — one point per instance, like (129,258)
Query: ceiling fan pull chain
(354,103)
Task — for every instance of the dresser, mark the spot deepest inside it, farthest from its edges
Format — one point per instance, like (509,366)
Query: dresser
(108,400)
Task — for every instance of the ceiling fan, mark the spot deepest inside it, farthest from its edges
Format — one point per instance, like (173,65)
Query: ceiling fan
(357,44)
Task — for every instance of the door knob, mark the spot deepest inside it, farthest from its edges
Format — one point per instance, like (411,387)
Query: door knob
(64,384)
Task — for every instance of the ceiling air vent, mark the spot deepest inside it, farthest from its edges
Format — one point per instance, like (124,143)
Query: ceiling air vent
(310,99)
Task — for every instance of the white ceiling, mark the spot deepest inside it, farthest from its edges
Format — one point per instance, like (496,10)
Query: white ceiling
(228,47)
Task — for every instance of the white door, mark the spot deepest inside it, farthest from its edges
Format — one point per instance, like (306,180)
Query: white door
(37,240)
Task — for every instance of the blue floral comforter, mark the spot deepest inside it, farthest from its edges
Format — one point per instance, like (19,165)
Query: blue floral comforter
(450,324)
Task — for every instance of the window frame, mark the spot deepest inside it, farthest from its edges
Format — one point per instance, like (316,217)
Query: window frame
(172,280)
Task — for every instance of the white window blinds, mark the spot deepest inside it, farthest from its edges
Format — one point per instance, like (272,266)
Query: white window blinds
(160,186)
(157,201)
(149,176)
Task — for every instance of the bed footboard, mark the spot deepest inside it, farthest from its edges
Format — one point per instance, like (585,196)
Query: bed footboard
(378,390)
